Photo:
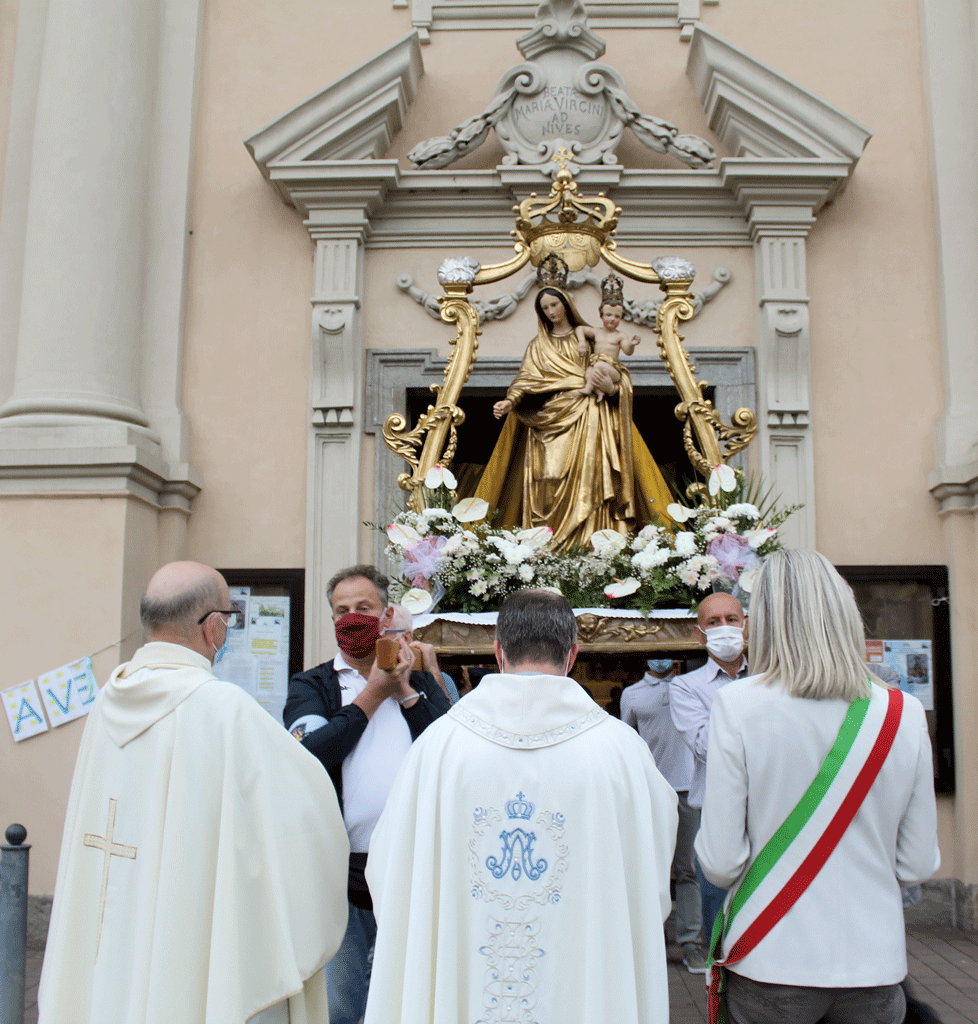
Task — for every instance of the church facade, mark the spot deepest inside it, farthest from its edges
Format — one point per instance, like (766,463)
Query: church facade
(220,234)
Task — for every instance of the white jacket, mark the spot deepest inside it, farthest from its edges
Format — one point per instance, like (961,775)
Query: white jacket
(847,929)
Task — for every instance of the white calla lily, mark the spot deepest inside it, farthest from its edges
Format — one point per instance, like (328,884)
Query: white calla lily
(756,538)
(722,478)
(747,577)
(401,534)
(438,475)
(535,537)
(416,601)
(607,542)
(679,513)
(622,588)
(471,510)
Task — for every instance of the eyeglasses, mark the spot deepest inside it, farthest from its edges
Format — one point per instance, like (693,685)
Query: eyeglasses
(233,617)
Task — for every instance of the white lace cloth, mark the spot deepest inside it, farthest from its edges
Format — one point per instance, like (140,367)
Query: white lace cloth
(489,618)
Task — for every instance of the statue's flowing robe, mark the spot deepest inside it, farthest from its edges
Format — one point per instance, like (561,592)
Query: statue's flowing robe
(225,888)
(567,461)
(520,870)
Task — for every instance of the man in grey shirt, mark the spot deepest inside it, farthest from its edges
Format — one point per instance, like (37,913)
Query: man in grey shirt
(645,707)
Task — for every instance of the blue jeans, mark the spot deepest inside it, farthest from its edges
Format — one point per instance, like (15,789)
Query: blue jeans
(712,897)
(348,973)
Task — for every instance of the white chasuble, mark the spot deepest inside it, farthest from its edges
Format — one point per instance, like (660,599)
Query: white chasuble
(520,871)
(203,867)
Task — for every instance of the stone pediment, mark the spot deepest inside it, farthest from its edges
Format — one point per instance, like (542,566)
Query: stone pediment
(354,118)
(756,112)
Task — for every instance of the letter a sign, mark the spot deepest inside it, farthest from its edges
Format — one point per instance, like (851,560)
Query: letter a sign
(24,710)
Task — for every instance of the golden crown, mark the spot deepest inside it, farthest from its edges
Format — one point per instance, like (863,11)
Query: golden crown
(576,215)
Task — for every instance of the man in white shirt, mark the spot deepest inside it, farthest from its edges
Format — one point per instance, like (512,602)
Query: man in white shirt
(360,721)
(521,867)
(722,627)
(645,707)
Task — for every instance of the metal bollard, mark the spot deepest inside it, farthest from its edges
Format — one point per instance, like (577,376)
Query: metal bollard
(13,924)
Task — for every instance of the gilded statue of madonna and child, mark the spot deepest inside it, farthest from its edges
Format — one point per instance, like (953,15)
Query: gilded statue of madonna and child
(569,456)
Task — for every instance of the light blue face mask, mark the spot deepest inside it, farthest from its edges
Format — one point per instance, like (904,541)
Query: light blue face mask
(219,651)
(660,666)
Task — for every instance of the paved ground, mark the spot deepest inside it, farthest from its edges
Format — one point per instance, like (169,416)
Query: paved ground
(943,970)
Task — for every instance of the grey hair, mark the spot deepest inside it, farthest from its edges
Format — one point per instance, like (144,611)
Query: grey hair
(181,610)
(806,632)
(536,625)
(367,572)
(401,619)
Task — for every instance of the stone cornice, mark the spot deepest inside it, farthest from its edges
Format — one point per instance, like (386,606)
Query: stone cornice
(97,461)
(955,487)
(394,208)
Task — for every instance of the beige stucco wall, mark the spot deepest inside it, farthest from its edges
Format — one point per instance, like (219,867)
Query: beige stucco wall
(876,382)
(73,573)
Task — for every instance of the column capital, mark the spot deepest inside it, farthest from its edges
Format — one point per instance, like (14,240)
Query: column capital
(315,187)
(783,195)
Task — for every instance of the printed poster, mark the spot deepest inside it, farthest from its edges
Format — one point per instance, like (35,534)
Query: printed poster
(912,661)
(24,710)
(257,658)
(68,692)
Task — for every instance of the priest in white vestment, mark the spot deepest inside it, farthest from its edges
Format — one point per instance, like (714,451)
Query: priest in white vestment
(520,870)
(203,866)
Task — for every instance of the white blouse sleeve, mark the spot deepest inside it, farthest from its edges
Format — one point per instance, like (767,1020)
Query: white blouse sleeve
(917,854)
(722,845)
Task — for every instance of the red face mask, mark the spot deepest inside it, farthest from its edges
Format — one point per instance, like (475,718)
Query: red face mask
(357,634)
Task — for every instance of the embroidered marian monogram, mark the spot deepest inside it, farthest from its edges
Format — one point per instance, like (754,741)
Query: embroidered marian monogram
(517,866)
(517,839)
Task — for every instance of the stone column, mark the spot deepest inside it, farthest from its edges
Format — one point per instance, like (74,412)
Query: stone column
(780,213)
(93,247)
(335,384)
(81,299)
(950,51)
(338,220)
(784,370)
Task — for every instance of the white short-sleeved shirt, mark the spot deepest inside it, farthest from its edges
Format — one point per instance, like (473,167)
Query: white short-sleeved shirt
(370,767)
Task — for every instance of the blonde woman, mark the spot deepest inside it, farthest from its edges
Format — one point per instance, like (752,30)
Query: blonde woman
(838,952)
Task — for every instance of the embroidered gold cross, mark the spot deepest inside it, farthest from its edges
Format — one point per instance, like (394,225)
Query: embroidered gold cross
(110,849)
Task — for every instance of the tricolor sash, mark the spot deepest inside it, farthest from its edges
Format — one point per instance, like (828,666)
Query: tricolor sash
(783,870)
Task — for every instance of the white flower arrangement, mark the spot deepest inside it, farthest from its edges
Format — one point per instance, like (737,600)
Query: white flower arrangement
(452,559)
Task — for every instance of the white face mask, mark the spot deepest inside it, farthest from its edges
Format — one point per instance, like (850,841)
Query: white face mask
(725,643)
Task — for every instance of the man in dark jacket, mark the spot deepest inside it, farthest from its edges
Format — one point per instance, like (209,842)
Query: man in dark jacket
(360,721)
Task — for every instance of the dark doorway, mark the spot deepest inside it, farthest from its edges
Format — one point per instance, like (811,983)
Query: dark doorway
(653,412)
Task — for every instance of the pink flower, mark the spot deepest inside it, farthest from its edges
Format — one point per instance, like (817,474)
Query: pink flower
(421,560)
(733,552)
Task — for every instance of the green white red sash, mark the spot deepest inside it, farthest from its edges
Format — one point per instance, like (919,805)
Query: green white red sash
(795,854)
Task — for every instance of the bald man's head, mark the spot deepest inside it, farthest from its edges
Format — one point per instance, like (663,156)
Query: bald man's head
(401,618)
(179,594)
